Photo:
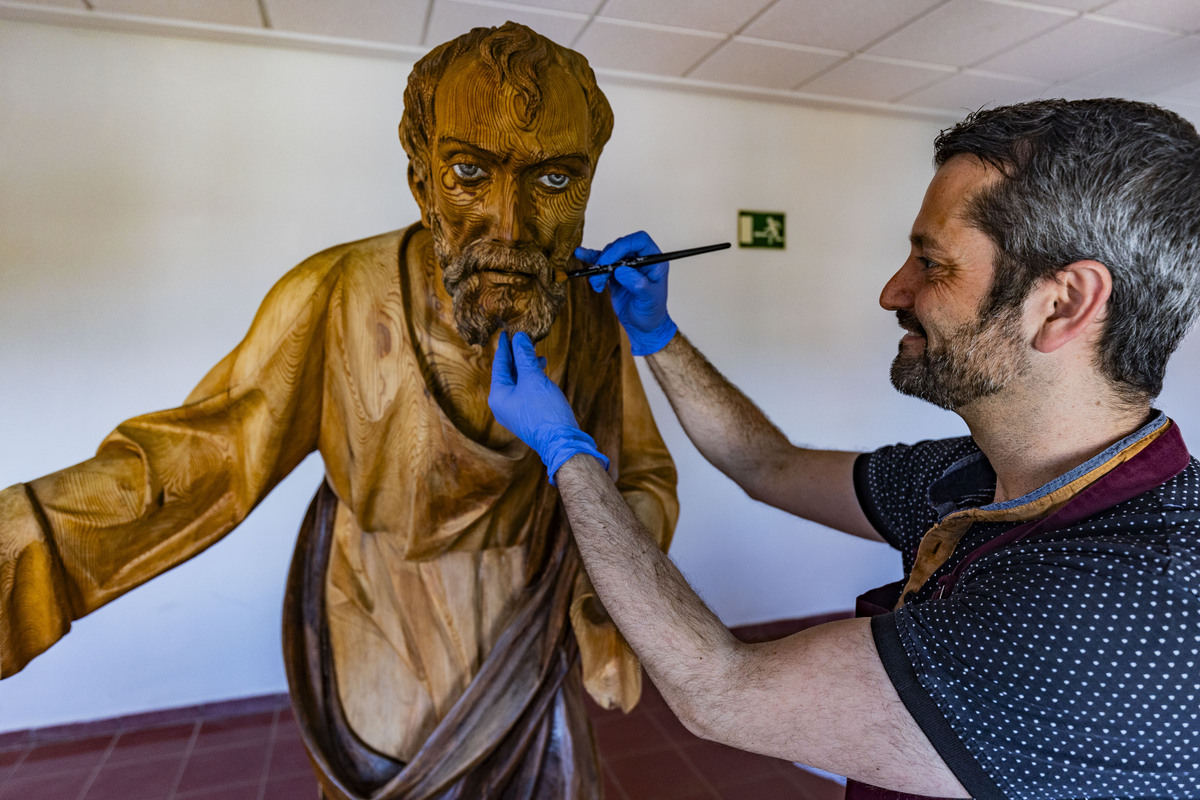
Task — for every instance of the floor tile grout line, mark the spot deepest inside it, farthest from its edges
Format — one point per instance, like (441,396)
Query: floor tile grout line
(655,720)
(634,718)
(13,769)
(266,771)
(605,769)
(187,754)
(670,737)
(87,785)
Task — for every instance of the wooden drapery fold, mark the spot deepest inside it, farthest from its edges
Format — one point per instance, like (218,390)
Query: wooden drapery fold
(518,732)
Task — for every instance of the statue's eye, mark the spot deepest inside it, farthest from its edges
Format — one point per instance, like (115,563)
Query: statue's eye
(468,172)
(555,180)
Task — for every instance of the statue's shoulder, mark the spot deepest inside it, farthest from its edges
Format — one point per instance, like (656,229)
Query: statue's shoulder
(373,252)
(359,264)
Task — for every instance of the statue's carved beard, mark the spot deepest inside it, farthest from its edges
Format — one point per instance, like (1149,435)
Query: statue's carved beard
(494,287)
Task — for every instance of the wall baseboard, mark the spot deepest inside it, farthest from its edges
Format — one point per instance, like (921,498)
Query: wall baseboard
(148,719)
(758,632)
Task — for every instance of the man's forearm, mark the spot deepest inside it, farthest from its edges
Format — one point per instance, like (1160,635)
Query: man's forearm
(684,646)
(821,696)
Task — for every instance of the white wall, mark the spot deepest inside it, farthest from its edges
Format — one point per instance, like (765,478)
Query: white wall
(151,191)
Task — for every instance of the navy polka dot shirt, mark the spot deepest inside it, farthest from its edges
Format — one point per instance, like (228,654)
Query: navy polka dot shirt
(1064,666)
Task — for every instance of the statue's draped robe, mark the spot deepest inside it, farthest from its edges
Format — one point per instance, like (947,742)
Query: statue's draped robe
(432,542)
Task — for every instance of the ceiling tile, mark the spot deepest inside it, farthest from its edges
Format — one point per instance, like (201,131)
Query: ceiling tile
(1076,5)
(868,78)
(218,12)
(964,32)
(644,48)
(578,6)
(1083,45)
(60,3)
(1153,73)
(968,91)
(395,21)
(767,64)
(726,16)
(845,25)
(1186,93)
(945,54)
(453,18)
(1175,15)
(1066,91)
(1189,111)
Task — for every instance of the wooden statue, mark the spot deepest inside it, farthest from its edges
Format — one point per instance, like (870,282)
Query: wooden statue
(436,609)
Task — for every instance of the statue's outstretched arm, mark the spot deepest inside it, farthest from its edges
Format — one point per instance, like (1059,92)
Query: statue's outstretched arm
(164,486)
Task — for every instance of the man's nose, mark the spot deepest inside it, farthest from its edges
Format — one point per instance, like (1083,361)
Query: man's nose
(512,212)
(899,290)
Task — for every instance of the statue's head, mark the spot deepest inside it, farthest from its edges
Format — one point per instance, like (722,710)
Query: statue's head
(503,129)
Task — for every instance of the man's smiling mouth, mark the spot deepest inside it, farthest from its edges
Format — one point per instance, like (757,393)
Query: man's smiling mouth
(908,321)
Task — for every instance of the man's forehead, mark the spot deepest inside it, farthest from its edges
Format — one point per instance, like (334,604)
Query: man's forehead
(949,198)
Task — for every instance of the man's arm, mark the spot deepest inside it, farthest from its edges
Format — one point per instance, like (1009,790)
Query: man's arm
(646,480)
(727,428)
(737,438)
(820,697)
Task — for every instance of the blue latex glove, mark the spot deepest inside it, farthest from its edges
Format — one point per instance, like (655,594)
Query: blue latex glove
(530,405)
(639,296)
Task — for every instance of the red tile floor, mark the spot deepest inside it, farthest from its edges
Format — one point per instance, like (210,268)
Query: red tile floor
(250,750)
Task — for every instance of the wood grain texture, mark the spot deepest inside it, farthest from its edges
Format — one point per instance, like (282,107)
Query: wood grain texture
(438,627)
(437,537)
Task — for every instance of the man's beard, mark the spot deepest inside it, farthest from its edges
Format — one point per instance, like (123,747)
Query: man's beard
(976,360)
(483,306)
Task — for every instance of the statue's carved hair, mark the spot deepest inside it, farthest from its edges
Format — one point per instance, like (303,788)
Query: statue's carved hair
(519,56)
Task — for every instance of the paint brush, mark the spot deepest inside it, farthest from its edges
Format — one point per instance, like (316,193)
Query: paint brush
(642,261)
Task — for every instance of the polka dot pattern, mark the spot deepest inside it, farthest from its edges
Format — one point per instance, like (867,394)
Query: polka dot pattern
(1068,666)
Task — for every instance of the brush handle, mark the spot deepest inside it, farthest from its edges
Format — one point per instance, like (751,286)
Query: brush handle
(643,261)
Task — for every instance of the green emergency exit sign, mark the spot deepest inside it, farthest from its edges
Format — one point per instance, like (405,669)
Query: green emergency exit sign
(761,229)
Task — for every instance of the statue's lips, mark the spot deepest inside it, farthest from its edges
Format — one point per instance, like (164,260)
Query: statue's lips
(508,278)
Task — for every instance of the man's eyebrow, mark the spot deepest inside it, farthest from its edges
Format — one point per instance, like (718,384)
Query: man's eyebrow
(923,241)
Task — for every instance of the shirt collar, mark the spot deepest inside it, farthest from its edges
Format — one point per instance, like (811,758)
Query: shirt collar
(970,482)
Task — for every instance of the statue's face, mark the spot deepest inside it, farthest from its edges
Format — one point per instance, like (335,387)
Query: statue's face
(505,203)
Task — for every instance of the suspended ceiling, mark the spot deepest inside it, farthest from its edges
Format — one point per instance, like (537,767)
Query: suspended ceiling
(930,57)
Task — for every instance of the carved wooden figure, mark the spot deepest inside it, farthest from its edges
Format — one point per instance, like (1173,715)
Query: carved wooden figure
(436,610)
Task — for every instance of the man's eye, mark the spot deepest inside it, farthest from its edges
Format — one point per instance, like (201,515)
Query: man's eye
(468,172)
(555,180)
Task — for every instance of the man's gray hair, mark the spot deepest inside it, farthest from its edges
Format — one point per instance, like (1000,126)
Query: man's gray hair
(1108,180)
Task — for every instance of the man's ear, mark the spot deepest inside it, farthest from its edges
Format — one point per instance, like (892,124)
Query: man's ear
(1070,302)
(416,184)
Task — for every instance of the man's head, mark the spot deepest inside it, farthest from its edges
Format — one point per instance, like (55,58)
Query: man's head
(503,129)
(953,354)
(1110,181)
